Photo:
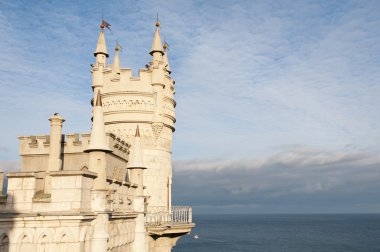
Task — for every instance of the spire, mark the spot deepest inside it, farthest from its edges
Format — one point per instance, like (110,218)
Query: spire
(98,132)
(165,58)
(136,158)
(137,131)
(101,46)
(116,61)
(157,44)
(98,100)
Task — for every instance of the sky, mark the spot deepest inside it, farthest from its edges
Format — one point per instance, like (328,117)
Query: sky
(277,101)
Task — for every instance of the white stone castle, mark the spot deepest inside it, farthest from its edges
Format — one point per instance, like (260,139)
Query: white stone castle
(105,191)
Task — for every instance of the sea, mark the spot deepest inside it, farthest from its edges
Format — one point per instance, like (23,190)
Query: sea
(290,232)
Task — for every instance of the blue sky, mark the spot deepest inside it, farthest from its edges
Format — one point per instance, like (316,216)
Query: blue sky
(278,101)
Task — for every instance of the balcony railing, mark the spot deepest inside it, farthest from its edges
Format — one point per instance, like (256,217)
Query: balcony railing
(157,216)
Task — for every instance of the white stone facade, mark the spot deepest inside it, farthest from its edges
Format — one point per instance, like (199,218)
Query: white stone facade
(105,191)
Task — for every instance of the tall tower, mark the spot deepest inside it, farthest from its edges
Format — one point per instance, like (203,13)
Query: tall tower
(146,100)
(101,191)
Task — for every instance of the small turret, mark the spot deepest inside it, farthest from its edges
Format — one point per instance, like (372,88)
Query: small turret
(101,55)
(158,72)
(116,62)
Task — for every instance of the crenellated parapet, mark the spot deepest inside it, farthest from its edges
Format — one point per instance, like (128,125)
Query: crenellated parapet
(72,143)
(40,144)
(34,151)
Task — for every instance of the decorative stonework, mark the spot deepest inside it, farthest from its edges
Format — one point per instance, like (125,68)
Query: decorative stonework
(157,128)
(116,105)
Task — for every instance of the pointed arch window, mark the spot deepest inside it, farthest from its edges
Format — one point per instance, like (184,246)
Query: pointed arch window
(4,243)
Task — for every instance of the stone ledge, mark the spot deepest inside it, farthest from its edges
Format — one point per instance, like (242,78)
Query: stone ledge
(170,229)
(123,215)
(73,173)
(38,216)
(20,174)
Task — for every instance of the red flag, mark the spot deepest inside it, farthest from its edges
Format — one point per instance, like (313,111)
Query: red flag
(105,24)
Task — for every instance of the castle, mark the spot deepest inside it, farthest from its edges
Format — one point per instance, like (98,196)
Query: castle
(108,190)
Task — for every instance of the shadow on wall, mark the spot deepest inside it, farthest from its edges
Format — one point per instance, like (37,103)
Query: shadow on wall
(24,238)
(12,240)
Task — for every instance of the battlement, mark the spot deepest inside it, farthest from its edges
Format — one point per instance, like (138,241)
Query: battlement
(35,150)
(71,143)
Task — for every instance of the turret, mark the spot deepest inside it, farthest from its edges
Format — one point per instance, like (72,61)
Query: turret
(136,168)
(98,147)
(158,73)
(116,63)
(100,55)
(136,165)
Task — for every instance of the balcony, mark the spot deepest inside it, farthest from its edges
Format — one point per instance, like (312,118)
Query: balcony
(158,216)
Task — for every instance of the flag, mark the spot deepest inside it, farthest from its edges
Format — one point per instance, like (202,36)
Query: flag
(118,46)
(166,45)
(105,24)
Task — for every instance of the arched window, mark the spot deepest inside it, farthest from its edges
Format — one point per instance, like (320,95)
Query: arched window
(63,245)
(43,244)
(25,244)
(4,243)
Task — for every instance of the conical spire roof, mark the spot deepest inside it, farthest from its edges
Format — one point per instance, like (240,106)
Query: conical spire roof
(136,159)
(157,44)
(101,46)
(98,133)
(116,61)
(165,57)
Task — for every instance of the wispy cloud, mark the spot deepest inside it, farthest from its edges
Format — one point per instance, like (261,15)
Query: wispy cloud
(255,75)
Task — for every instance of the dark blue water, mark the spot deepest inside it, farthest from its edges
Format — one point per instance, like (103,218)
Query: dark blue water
(295,233)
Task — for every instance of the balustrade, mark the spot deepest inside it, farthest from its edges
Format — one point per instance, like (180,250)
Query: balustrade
(157,216)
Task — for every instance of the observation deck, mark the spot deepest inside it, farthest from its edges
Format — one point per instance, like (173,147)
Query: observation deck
(176,221)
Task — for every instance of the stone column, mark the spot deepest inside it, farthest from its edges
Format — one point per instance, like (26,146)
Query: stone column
(55,161)
(97,164)
(139,207)
(100,236)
